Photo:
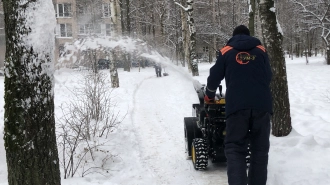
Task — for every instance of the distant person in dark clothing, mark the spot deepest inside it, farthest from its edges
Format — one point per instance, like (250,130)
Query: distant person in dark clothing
(244,64)
(158,69)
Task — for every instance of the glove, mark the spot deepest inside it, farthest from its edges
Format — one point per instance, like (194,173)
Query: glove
(208,100)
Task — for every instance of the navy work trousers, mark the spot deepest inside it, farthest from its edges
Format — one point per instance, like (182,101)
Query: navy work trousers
(242,127)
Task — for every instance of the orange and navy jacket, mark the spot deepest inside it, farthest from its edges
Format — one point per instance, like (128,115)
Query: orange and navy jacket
(244,65)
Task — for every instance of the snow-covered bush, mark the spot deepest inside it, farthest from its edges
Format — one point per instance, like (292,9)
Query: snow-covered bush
(88,119)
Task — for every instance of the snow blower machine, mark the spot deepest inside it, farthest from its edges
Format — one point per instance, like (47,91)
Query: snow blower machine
(205,131)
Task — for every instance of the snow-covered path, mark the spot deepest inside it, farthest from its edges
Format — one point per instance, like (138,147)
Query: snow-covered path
(148,146)
(159,105)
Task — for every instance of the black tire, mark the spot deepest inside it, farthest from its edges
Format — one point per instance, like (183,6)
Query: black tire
(191,131)
(199,156)
(248,156)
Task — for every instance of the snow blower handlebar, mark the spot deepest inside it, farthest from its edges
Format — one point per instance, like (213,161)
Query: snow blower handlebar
(200,89)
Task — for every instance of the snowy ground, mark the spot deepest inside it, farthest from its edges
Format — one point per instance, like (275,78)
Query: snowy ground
(149,143)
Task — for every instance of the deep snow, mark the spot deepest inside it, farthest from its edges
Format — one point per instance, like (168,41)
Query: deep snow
(149,143)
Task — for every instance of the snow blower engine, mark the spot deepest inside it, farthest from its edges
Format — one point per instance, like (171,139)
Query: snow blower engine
(205,131)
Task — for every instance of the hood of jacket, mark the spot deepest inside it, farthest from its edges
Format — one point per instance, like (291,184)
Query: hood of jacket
(243,42)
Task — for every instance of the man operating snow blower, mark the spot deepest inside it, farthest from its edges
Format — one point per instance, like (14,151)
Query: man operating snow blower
(244,64)
(158,69)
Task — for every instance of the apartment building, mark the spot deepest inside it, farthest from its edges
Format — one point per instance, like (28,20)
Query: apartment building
(77,19)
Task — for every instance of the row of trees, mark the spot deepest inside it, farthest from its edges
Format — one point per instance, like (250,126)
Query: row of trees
(165,24)
(171,26)
(313,26)
(183,29)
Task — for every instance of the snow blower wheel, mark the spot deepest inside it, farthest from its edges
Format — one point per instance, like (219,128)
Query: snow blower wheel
(199,154)
(191,132)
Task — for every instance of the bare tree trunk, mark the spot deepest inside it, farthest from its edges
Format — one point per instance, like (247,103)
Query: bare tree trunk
(138,25)
(212,53)
(281,119)
(122,19)
(192,30)
(328,55)
(192,58)
(127,61)
(233,13)
(311,43)
(113,69)
(178,42)
(115,13)
(29,133)
(92,60)
(185,42)
(291,47)
(251,17)
(257,21)
(153,23)
(128,19)
(327,50)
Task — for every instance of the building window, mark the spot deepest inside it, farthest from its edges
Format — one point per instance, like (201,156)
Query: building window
(63,10)
(84,9)
(85,29)
(81,9)
(106,11)
(97,28)
(61,51)
(108,29)
(206,49)
(66,30)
